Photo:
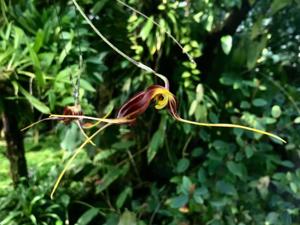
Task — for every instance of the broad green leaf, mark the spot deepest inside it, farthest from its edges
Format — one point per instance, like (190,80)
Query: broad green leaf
(7,220)
(128,218)
(113,174)
(104,154)
(39,39)
(259,102)
(225,188)
(249,151)
(123,196)
(237,169)
(86,85)
(65,52)
(33,219)
(182,165)
(19,37)
(179,201)
(297,120)
(156,141)
(226,43)
(123,144)
(276,111)
(146,29)
(51,99)
(193,107)
(197,152)
(186,185)
(201,175)
(245,105)
(34,101)
(200,194)
(99,6)
(272,218)
(287,164)
(254,51)
(71,137)
(199,92)
(46,58)
(279,4)
(87,216)
(37,67)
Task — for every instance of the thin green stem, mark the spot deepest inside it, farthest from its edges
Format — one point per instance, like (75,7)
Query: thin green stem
(162,29)
(138,64)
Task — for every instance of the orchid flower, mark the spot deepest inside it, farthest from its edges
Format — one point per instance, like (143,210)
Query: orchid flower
(164,98)
(134,107)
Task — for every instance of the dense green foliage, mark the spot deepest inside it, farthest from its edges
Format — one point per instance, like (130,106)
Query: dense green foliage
(157,171)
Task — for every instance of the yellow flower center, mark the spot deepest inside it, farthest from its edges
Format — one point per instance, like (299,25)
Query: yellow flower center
(162,96)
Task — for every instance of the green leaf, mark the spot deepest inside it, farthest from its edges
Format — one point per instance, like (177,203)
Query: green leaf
(105,154)
(19,37)
(179,201)
(123,145)
(37,67)
(65,52)
(186,185)
(254,51)
(113,174)
(297,120)
(279,4)
(259,102)
(249,151)
(33,219)
(226,43)
(276,111)
(225,188)
(128,218)
(34,101)
(236,169)
(245,105)
(272,218)
(7,220)
(286,218)
(86,86)
(99,6)
(123,196)
(197,152)
(87,216)
(38,40)
(71,137)
(182,165)
(287,164)
(146,29)
(156,141)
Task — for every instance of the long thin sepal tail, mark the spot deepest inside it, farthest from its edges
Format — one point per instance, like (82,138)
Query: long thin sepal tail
(73,157)
(231,126)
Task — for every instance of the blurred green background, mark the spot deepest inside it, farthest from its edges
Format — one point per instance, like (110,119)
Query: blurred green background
(157,171)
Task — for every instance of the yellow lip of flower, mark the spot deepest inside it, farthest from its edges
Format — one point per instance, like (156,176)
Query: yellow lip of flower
(162,97)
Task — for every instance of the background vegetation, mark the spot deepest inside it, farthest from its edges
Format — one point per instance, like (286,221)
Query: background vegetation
(158,171)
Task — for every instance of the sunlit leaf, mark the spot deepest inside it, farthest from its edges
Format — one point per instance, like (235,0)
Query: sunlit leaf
(226,43)
(276,111)
(128,218)
(146,29)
